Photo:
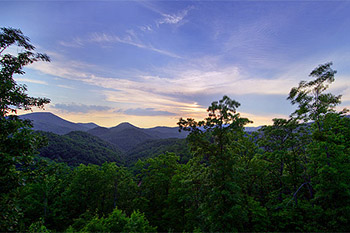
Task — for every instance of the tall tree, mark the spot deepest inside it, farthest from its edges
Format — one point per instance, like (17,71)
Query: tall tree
(17,143)
(313,103)
(217,140)
(328,151)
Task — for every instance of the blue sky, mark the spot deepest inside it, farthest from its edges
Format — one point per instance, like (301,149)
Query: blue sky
(151,62)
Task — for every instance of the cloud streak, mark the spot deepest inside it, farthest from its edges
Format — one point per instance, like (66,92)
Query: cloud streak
(31,81)
(80,108)
(129,39)
(175,18)
(75,43)
(147,112)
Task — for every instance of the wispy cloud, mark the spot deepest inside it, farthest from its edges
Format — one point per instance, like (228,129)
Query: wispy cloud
(174,18)
(75,43)
(131,36)
(129,39)
(80,108)
(31,81)
(65,86)
(167,18)
(147,112)
(146,28)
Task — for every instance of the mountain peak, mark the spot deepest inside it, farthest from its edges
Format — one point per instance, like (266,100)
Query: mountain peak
(38,115)
(49,122)
(126,124)
(123,126)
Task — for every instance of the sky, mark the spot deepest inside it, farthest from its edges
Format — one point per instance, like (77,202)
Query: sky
(151,62)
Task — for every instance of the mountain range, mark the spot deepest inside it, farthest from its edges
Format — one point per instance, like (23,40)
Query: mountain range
(125,135)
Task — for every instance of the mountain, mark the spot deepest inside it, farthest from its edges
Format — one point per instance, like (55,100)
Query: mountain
(88,125)
(166,132)
(48,122)
(251,129)
(79,147)
(127,136)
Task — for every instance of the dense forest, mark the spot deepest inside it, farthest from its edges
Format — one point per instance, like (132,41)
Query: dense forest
(289,176)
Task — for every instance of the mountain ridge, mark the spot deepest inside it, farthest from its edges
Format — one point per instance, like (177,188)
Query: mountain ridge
(127,136)
(49,122)
(124,135)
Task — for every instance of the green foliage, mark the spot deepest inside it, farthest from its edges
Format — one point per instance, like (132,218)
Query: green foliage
(38,227)
(329,147)
(330,170)
(155,179)
(17,142)
(41,198)
(220,144)
(312,102)
(13,96)
(285,144)
(138,223)
(117,221)
(189,187)
(151,149)
(78,147)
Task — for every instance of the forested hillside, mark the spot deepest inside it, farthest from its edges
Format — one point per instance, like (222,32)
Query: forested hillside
(79,147)
(292,176)
(151,149)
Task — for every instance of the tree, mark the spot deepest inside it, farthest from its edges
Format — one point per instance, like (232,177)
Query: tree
(117,221)
(12,95)
(155,182)
(312,102)
(284,144)
(17,142)
(329,149)
(188,189)
(287,186)
(218,140)
(41,198)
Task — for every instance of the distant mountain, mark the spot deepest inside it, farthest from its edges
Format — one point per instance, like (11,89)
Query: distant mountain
(88,125)
(166,132)
(98,131)
(127,136)
(48,122)
(251,129)
(79,147)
